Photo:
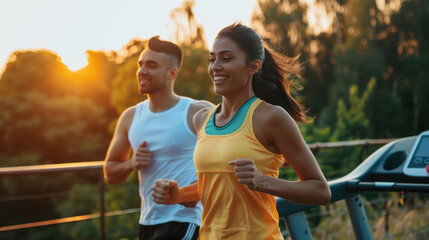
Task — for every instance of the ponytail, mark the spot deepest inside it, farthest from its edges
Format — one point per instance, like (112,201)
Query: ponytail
(272,83)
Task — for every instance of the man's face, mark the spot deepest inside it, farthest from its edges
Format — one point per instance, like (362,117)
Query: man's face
(153,72)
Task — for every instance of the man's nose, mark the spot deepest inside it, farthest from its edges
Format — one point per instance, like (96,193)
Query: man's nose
(142,71)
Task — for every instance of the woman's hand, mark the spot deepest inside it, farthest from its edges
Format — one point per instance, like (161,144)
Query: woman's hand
(165,192)
(190,204)
(246,172)
(168,192)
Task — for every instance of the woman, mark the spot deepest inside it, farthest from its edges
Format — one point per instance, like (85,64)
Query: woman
(244,141)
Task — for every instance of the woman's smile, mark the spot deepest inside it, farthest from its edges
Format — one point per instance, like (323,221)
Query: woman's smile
(217,80)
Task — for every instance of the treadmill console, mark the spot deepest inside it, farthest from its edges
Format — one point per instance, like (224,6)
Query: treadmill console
(417,163)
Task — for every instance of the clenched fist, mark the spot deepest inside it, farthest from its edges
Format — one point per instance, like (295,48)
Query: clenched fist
(142,157)
(246,172)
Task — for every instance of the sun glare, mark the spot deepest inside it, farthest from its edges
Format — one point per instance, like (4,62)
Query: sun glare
(318,17)
(74,63)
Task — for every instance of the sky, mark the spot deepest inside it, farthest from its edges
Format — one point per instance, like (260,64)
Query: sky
(70,27)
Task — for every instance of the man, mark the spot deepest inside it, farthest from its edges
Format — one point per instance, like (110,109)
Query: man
(161,134)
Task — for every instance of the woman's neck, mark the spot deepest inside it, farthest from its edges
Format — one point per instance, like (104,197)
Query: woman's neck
(230,107)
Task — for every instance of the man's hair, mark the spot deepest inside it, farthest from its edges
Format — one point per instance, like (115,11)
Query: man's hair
(167,47)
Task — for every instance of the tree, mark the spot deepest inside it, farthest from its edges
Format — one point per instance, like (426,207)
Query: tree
(186,29)
(284,26)
(365,41)
(40,70)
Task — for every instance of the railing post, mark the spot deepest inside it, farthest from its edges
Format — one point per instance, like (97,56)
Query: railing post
(297,226)
(358,217)
(101,195)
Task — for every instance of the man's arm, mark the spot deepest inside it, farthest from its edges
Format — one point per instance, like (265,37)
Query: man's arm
(118,166)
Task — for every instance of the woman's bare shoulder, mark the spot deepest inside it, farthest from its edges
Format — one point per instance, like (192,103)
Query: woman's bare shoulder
(272,115)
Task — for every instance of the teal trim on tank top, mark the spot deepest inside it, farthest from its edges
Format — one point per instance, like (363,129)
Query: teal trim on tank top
(233,125)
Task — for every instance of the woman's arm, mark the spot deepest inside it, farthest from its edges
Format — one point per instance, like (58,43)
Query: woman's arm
(168,192)
(279,133)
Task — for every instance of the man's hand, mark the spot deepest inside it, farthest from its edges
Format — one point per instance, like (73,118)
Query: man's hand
(142,157)
(246,172)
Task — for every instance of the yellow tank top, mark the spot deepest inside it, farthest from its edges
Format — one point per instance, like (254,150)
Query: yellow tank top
(230,209)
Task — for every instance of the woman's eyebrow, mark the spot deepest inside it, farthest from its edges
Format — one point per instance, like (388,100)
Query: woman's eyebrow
(222,52)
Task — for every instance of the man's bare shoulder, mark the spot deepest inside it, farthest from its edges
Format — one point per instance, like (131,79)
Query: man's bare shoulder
(198,105)
(124,121)
(200,117)
(129,112)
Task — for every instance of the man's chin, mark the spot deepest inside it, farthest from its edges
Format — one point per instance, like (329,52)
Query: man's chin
(143,91)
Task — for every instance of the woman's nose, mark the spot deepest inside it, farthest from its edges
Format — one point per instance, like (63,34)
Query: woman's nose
(216,65)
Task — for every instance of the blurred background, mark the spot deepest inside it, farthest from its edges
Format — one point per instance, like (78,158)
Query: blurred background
(365,74)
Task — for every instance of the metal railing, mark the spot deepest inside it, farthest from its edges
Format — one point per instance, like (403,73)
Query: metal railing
(98,166)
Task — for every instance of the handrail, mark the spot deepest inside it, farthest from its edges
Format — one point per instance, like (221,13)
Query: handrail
(50,168)
(67,219)
(351,143)
(98,165)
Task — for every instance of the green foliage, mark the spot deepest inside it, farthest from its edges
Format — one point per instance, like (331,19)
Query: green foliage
(351,120)
(82,199)
(62,128)
(120,197)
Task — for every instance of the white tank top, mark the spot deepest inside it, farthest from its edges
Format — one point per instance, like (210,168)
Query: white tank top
(172,144)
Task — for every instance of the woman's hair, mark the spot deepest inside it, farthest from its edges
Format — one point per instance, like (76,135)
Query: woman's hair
(271,83)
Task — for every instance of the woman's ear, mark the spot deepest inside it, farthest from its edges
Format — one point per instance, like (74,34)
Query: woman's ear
(255,66)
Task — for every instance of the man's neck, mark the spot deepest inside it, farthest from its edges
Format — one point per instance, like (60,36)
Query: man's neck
(162,102)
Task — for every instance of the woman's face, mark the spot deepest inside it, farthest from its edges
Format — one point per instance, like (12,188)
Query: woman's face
(228,67)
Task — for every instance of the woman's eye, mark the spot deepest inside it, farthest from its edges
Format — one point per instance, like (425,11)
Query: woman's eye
(211,60)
